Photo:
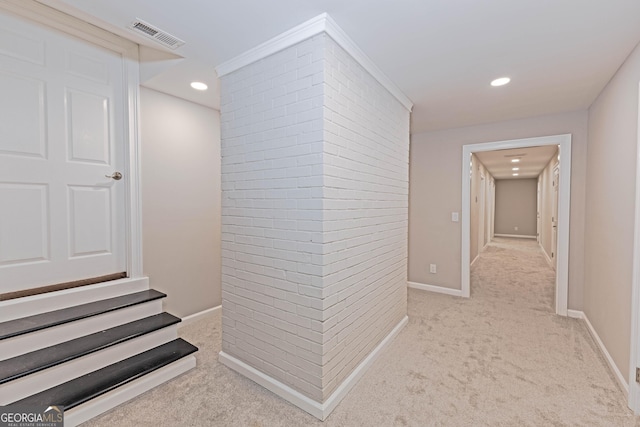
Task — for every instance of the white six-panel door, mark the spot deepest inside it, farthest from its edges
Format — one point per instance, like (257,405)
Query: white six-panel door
(62,119)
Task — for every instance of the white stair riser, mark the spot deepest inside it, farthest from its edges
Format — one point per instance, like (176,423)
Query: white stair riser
(42,303)
(39,381)
(122,394)
(26,343)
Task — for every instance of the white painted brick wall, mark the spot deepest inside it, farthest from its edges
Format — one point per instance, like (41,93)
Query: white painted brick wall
(365,213)
(272,175)
(314,214)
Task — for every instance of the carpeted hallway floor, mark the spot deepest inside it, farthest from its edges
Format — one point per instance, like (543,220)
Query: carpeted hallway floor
(500,358)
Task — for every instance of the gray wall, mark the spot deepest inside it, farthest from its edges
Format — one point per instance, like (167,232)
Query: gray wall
(435,191)
(181,201)
(613,136)
(516,206)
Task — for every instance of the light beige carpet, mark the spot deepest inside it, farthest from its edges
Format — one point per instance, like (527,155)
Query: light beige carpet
(500,358)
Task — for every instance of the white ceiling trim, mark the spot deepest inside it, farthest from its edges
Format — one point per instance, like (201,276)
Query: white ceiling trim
(319,24)
(352,49)
(287,39)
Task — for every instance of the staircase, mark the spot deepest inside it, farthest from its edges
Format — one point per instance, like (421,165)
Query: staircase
(88,349)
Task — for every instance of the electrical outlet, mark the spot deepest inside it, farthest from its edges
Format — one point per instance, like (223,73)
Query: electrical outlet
(432,268)
(454,216)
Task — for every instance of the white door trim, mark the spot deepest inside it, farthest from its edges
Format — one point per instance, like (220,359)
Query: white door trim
(634,387)
(562,274)
(50,17)
(481,212)
(133,208)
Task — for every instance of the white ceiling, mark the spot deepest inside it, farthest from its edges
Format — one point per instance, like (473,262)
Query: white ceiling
(442,54)
(532,161)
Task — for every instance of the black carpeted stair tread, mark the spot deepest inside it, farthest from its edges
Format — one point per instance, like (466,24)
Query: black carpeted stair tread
(37,322)
(94,384)
(38,360)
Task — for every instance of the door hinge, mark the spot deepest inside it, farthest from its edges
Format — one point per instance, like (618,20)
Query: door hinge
(638,375)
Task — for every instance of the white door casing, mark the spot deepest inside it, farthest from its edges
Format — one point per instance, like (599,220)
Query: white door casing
(487,210)
(634,359)
(554,219)
(493,209)
(67,119)
(481,213)
(564,202)
(538,208)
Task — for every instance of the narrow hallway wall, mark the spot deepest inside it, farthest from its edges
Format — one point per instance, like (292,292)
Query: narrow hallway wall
(610,208)
(181,201)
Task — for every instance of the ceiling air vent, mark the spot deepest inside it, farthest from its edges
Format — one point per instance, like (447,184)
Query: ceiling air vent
(156,34)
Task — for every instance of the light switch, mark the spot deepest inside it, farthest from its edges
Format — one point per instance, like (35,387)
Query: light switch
(454,216)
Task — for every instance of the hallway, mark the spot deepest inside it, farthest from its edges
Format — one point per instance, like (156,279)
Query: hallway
(501,357)
(514,272)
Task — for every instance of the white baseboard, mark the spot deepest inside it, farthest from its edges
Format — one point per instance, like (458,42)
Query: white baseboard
(187,320)
(436,289)
(474,260)
(344,388)
(101,404)
(516,236)
(546,256)
(616,372)
(273,385)
(318,410)
(575,314)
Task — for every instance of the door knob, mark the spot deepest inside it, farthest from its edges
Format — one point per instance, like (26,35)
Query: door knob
(116,175)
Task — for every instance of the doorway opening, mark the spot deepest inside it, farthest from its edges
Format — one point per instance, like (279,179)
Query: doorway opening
(561,219)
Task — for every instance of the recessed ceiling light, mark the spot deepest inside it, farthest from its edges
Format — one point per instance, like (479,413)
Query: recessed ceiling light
(501,81)
(515,160)
(516,174)
(515,169)
(199,86)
